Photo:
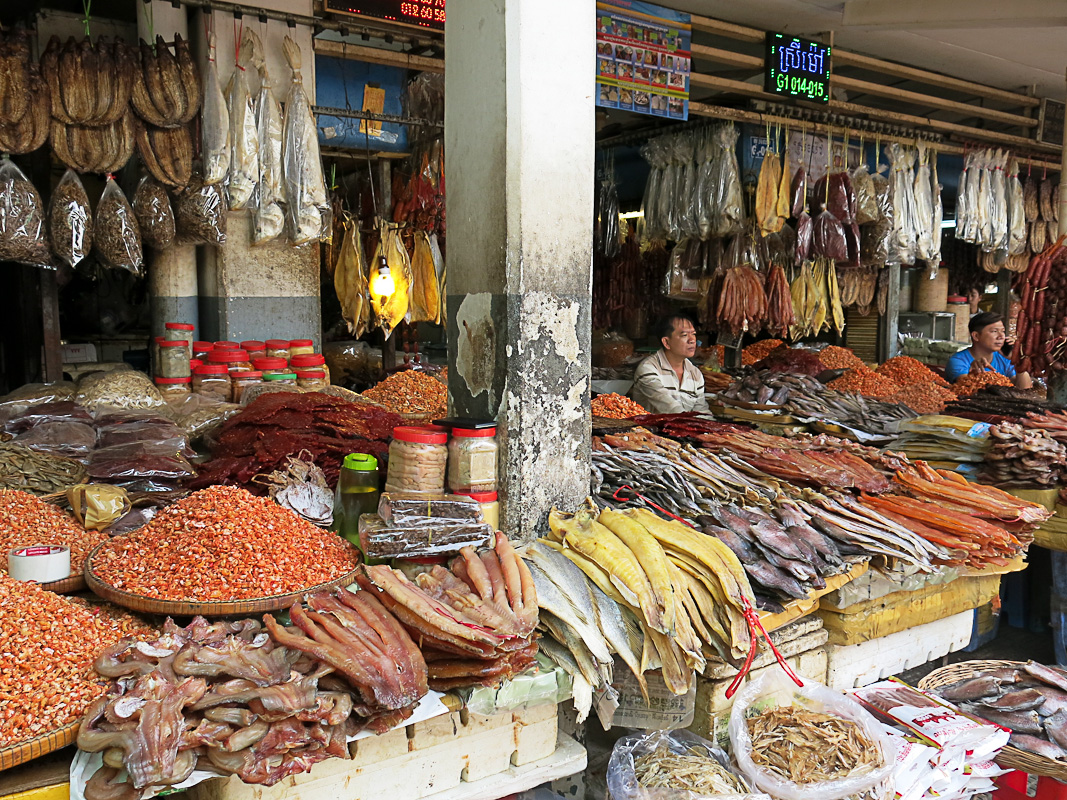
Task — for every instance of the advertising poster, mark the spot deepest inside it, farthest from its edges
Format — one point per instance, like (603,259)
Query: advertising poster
(643,58)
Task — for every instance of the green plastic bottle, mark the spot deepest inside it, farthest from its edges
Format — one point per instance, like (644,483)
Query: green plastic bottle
(357,493)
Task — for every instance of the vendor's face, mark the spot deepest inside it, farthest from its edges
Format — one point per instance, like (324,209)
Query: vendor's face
(990,337)
(683,340)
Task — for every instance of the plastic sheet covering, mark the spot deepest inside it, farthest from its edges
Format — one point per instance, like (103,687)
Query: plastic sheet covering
(164,434)
(244,136)
(308,208)
(622,776)
(377,539)
(22,213)
(57,411)
(214,123)
(1016,212)
(116,235)
(70,220)
(902,242)
(774,688)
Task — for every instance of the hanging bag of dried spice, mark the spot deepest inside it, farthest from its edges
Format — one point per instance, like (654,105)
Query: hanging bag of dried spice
(22,234)
(200,213)
(116,235)
(70,220)
(151,207)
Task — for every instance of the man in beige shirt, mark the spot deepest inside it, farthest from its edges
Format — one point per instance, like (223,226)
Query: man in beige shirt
(667,382)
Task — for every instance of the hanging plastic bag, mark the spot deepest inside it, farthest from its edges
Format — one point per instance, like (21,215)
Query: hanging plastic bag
(729,208)
(924,207)
(703,155)
(939,211)
(999,209)
(669,190)
(631,754)
(1016,212)
(652,152)
(984,202)
(874,237)
(116,235)
(214,123)
(767,187)
(798,191)
(866,202)
(244,136)
(871,780)
(268,218)
(22,213)
(70,220)
(967,200)
(828,238)
(308,207)
(805,232)
(200,213)
(901,194)
(687,198)
(390,310)
(155,217)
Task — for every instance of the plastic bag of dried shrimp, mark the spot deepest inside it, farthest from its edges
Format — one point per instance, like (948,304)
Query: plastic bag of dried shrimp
(809,742)
(673,765)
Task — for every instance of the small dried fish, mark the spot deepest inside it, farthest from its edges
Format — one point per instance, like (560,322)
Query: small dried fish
(809,747)
(698,773)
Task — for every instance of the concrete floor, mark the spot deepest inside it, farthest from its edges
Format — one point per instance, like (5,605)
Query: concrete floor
(1012,644)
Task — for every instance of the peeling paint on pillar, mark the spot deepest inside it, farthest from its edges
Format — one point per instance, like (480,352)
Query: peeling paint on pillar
(476,344)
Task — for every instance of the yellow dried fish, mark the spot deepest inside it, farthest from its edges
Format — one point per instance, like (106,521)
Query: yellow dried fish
(770,175)
(820,305)
(425,305)
(389,311)
(837,313)
(350,281)
(784,208)
(650,556)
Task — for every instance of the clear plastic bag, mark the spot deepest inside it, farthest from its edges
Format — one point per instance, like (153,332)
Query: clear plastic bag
(36,394)
(200,213)
(939,211)
(924,207)
(70,220)
(622,776)
(703,155)
(155,217)
(244,138)
(669,190)
(866,201)
(874,237)
(1001,233)
(828,238)
(401,510)
(22,219)
(798,191)
(166,435)
(1016,212)
(200,416)
(378,539)
(729,207)
(984,203)
(214,123)
(139,460)
(58,411)
(774,688)
(805,232)
(307,210)
(687,196)
(967,201)
(118,389)
(59,437)
(902,241)
(652,152)
(268,218)
(116,235)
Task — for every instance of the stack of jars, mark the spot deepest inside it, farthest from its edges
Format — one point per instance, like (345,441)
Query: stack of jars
(423,459)
(173,359)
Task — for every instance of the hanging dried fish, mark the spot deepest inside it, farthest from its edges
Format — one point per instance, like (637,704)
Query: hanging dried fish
(214,124)
(167,153)
(780,314)
(16,89)
(166,88)
(390,311)
(1016,212)
(90,82)
(770,176)
(425,305)
(350,281)
(833,294)
(1030,201)
(32,130)
(244,138)
(308,207)
(268,218)
(1047,212)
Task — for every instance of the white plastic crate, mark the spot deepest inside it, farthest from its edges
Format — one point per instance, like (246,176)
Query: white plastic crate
(859,664)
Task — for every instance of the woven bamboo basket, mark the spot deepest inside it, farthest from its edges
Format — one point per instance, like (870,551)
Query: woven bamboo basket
(35,748)
(192,608)
(1010,757)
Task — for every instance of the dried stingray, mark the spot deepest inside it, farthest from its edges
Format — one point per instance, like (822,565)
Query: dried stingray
(301,488)
(350,281)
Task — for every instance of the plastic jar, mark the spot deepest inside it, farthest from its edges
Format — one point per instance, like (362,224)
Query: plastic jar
(194,363)
(277,348)
(201,349)
(174,388)
(242,380)
(301,347)
(417,460)
(233,360)
(490,503)
(311,379)
(310,361)
(173,359)
(255,349)
(270,366)
(226,346)
(213,380)
(180,332)
(281,378)
(357,494)
(472,457)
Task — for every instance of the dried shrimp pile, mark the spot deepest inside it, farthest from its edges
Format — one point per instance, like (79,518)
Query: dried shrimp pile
(865,381)
(757,351)
(25,520)
(411,392)
(809,747)
(834,357)
(925,398)
(693,771)
(615,406)
(906,371)
(970,383)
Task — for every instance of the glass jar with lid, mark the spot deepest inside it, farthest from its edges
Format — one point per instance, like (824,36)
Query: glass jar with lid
(174,388)
(490,503)
(242,381)
(234,360)
(472,456)
(301,347)
(270,366)
(277,348)
(310,361)
(281,378)
(417,459)
(213,380)
(255,349)
(173,359)
(180,332)
(311,379)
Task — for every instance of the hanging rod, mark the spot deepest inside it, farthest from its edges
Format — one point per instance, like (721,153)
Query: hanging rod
(348,113)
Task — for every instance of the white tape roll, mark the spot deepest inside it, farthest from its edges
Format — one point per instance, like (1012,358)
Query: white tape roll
(42,563)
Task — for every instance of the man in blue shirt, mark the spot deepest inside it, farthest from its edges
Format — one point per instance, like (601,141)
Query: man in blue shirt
(987,337)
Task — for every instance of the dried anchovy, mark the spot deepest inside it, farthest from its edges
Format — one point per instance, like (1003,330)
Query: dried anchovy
(662,769)
(121,388)
(70,221)
(115,233)
(809,747)
(22,229)
(37,473)
(154,215)
(200,213)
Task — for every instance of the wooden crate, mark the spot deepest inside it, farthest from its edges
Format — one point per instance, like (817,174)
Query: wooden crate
(415,762)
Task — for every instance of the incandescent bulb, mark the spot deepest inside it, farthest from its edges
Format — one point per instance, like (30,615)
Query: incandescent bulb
(382,284)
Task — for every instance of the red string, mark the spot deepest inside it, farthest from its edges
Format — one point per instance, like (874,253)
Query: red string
(237,42)
(645,499)
(756,630)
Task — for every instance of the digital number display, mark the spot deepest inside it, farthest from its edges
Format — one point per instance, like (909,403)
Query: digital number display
(425,13)
(797,68)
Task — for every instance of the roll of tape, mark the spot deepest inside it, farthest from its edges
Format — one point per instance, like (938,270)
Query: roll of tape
(42,563)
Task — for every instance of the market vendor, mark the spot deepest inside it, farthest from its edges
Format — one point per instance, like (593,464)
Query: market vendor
(667,382)
(987,337)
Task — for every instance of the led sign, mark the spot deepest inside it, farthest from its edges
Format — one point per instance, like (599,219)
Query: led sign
(424,13)
(797,68)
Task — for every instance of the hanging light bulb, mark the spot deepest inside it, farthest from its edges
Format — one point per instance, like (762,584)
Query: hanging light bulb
(382,284)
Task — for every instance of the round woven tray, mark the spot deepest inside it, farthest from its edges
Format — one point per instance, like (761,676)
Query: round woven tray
(75,583)
(1011,757)
(35,748)
(192,608)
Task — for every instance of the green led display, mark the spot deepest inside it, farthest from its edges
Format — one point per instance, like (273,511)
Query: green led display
(797,68)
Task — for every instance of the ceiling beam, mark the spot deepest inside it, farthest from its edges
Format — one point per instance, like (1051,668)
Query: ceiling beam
(704,53)
(915,14)
(377,55)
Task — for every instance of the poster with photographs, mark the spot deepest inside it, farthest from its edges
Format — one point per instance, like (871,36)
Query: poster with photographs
(643,58)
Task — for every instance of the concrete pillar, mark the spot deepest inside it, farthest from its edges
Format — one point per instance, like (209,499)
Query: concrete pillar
(519,144)
(172,281)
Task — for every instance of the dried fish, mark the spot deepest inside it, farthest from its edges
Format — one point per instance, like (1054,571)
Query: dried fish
(692,771)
